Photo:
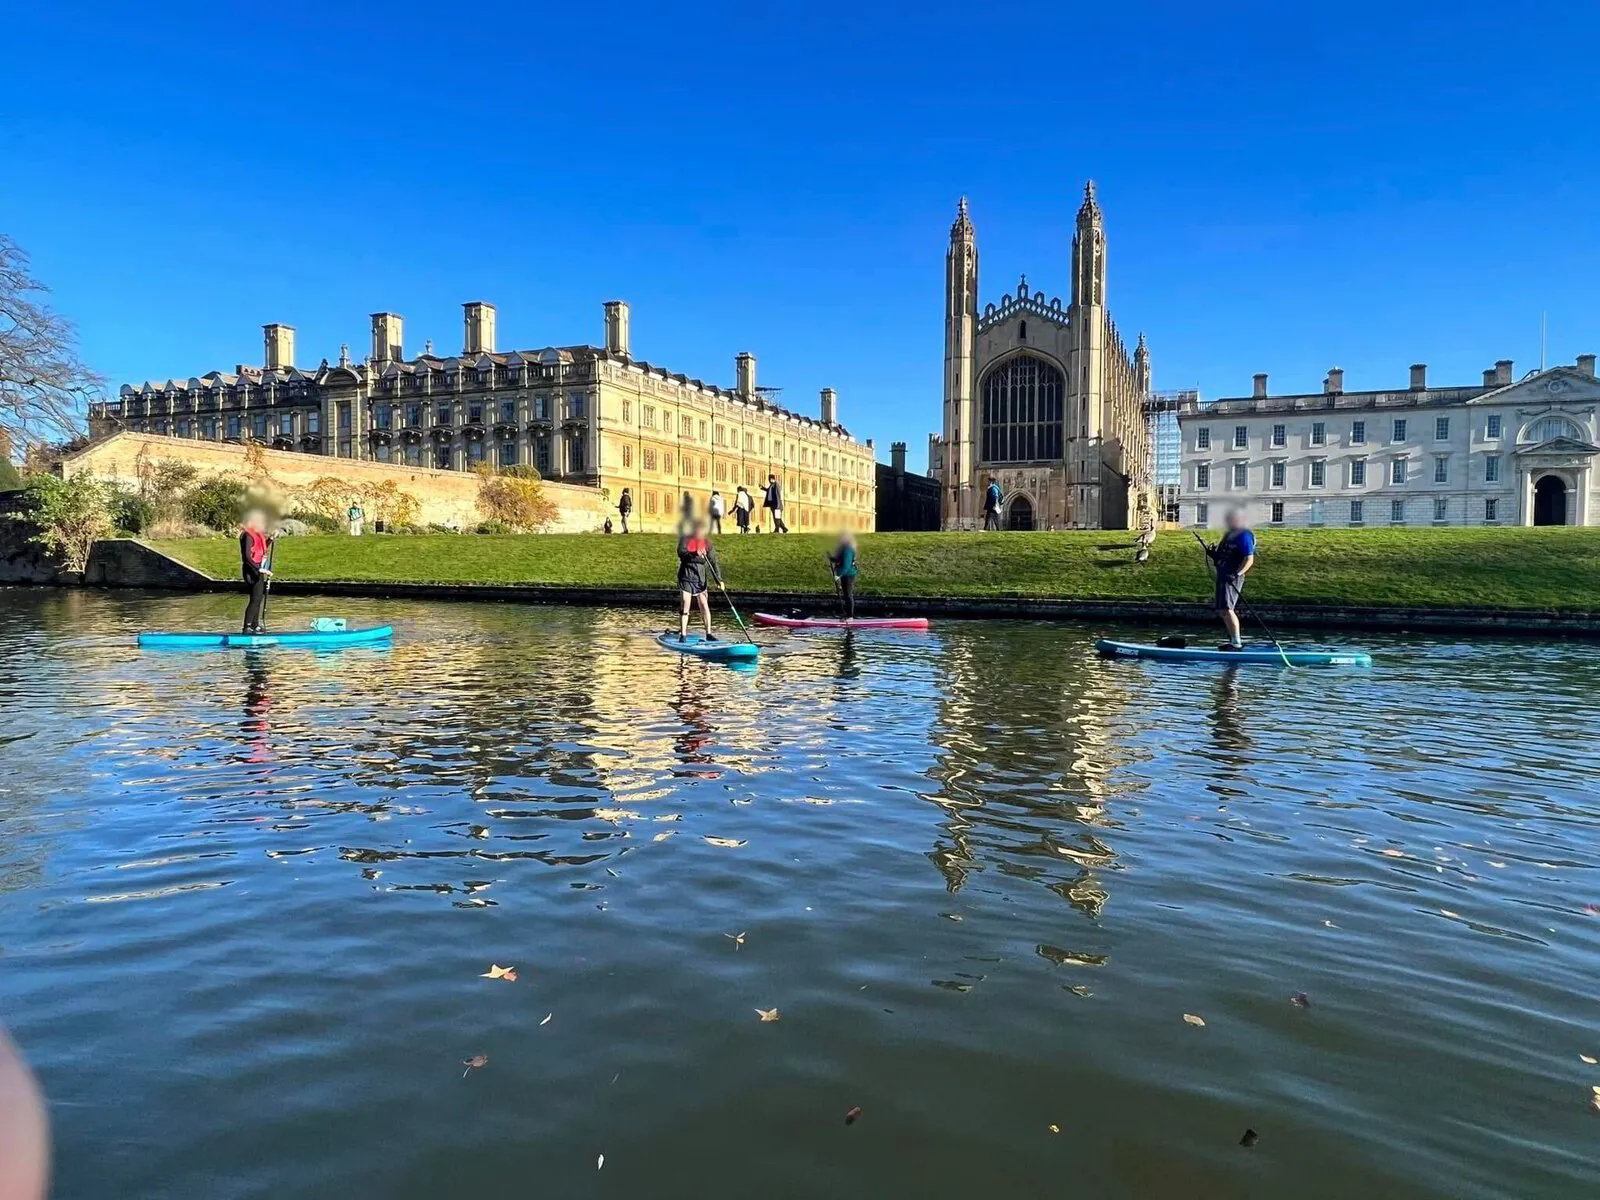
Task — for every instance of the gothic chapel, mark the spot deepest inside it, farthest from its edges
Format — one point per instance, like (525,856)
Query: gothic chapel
(1043,398)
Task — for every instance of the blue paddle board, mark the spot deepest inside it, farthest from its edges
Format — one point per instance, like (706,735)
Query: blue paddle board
(718,651)
(1296,658)
(295,637)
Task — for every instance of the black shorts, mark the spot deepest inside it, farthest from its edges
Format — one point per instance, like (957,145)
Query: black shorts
(690,586)
(1228,589)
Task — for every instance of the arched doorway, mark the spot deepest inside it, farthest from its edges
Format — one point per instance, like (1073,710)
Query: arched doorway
(1019,517)
(1550,501)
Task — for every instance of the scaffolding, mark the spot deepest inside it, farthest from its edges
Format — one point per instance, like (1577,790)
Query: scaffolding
(1162,445)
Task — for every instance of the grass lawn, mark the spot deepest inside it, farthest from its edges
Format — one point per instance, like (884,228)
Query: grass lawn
(1556,568)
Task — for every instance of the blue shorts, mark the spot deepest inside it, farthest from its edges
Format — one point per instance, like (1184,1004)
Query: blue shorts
(1228,589)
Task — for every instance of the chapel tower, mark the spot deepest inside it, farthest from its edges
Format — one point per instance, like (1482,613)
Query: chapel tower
(957,506)
(1087,317)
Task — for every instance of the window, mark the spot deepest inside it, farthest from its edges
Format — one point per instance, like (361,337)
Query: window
(627,412)
(1356,507)
(1201,513)
(1277,512)
(1441,429)
(575,402)
(381,453)
(1397,471)
(286,422)
(1202,438)
(627,456)
(666,464)
(1553,427)
(1202,477)
(685,425)
(649,460)
(1278,471)
(650,502)
(1280,436)
(649,412)
(1319,472)
(1319,433)
(702,434)
(441,458)
(383,417)
(1358,433)
(705,468)
(444,415)
(576,463)
(1441,510)
(475,413)
(413,414)
(722,435)
(475,452)
(508,412)
(508,453)
(1399,430)
(541,455)
(1241,475)
(233,425)
(1491,468)
(1314,515)
(414,453)
(1441,468)
(1397,512)
(1241,436)
(1493,430)
(258,425)
(1358,472)
(1022,412)
(1490,509)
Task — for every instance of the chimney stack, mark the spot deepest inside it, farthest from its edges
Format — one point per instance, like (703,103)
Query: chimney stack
(1502,371)
(617,328)
(479,320)
(1586,365)
(830,407)
(1419,377)
(1334,384)
(280,346)
(897,457)
(744,372)
(387,331)
(1261,386)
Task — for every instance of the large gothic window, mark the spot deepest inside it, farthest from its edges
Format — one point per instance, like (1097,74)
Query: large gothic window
(1022,408)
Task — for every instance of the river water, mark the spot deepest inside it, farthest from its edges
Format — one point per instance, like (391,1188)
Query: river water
(247,900)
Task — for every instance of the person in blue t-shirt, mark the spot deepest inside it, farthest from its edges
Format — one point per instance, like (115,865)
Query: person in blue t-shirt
(991,505)
(1233,556)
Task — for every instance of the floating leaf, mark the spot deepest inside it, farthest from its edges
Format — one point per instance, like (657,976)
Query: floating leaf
(851,1116)
(1054,1128)
(736,938)
(599,1163)
(547,1019)
(731,843)
(509,974)
(473,1063)
(1448,913)
(768,1014)
(1250,1138)
(1300,1000)
(1393,853)
(1587,1059)
(661,837)
(1193,1020)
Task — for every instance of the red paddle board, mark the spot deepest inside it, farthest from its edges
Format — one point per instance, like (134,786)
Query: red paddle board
(837,623)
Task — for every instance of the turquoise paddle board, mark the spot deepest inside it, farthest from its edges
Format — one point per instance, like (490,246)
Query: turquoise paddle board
(290,637)
(718,651)
(1296,658)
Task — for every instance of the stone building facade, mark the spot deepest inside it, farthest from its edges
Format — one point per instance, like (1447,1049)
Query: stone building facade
(590,416)
(1500,452)
(907,502)
(1043,396)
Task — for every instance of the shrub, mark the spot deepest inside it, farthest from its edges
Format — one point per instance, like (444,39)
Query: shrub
(494,527)
(71,513)
(217,503)
(10,478)
(131,512)
(162,484)
(435,527)
(513,497)
(318,521)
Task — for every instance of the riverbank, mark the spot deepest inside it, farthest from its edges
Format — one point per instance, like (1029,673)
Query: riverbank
(1537,570)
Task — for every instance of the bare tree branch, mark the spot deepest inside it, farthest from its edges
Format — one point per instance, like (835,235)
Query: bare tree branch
(44,388)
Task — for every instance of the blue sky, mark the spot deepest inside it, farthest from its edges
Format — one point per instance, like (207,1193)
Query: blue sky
(1285,191)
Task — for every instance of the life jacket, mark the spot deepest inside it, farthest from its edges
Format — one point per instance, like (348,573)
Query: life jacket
(256,548)
(697,546)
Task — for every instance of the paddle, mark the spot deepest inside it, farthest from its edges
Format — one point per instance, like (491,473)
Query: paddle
(737,619)
(1255,616)
(266,565)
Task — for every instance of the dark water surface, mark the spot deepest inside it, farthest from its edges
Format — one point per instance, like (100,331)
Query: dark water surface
(246,899)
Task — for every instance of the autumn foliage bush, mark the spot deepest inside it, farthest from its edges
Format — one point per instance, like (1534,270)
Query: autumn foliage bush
(514,497)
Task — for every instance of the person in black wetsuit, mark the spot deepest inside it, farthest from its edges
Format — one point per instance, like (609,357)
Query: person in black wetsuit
(697,559)
(845,567)
(254,564)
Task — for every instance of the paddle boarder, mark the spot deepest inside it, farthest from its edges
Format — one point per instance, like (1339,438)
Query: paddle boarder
(254,549)
(1233,557)
(697,559)
(845,564)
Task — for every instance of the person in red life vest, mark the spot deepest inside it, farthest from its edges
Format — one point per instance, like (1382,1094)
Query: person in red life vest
(697,559)
(255,549)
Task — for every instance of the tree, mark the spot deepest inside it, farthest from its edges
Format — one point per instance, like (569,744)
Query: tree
(44,388)
(71,513)
(514,496)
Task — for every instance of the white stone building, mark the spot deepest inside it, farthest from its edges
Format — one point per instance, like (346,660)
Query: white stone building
(1503,452)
